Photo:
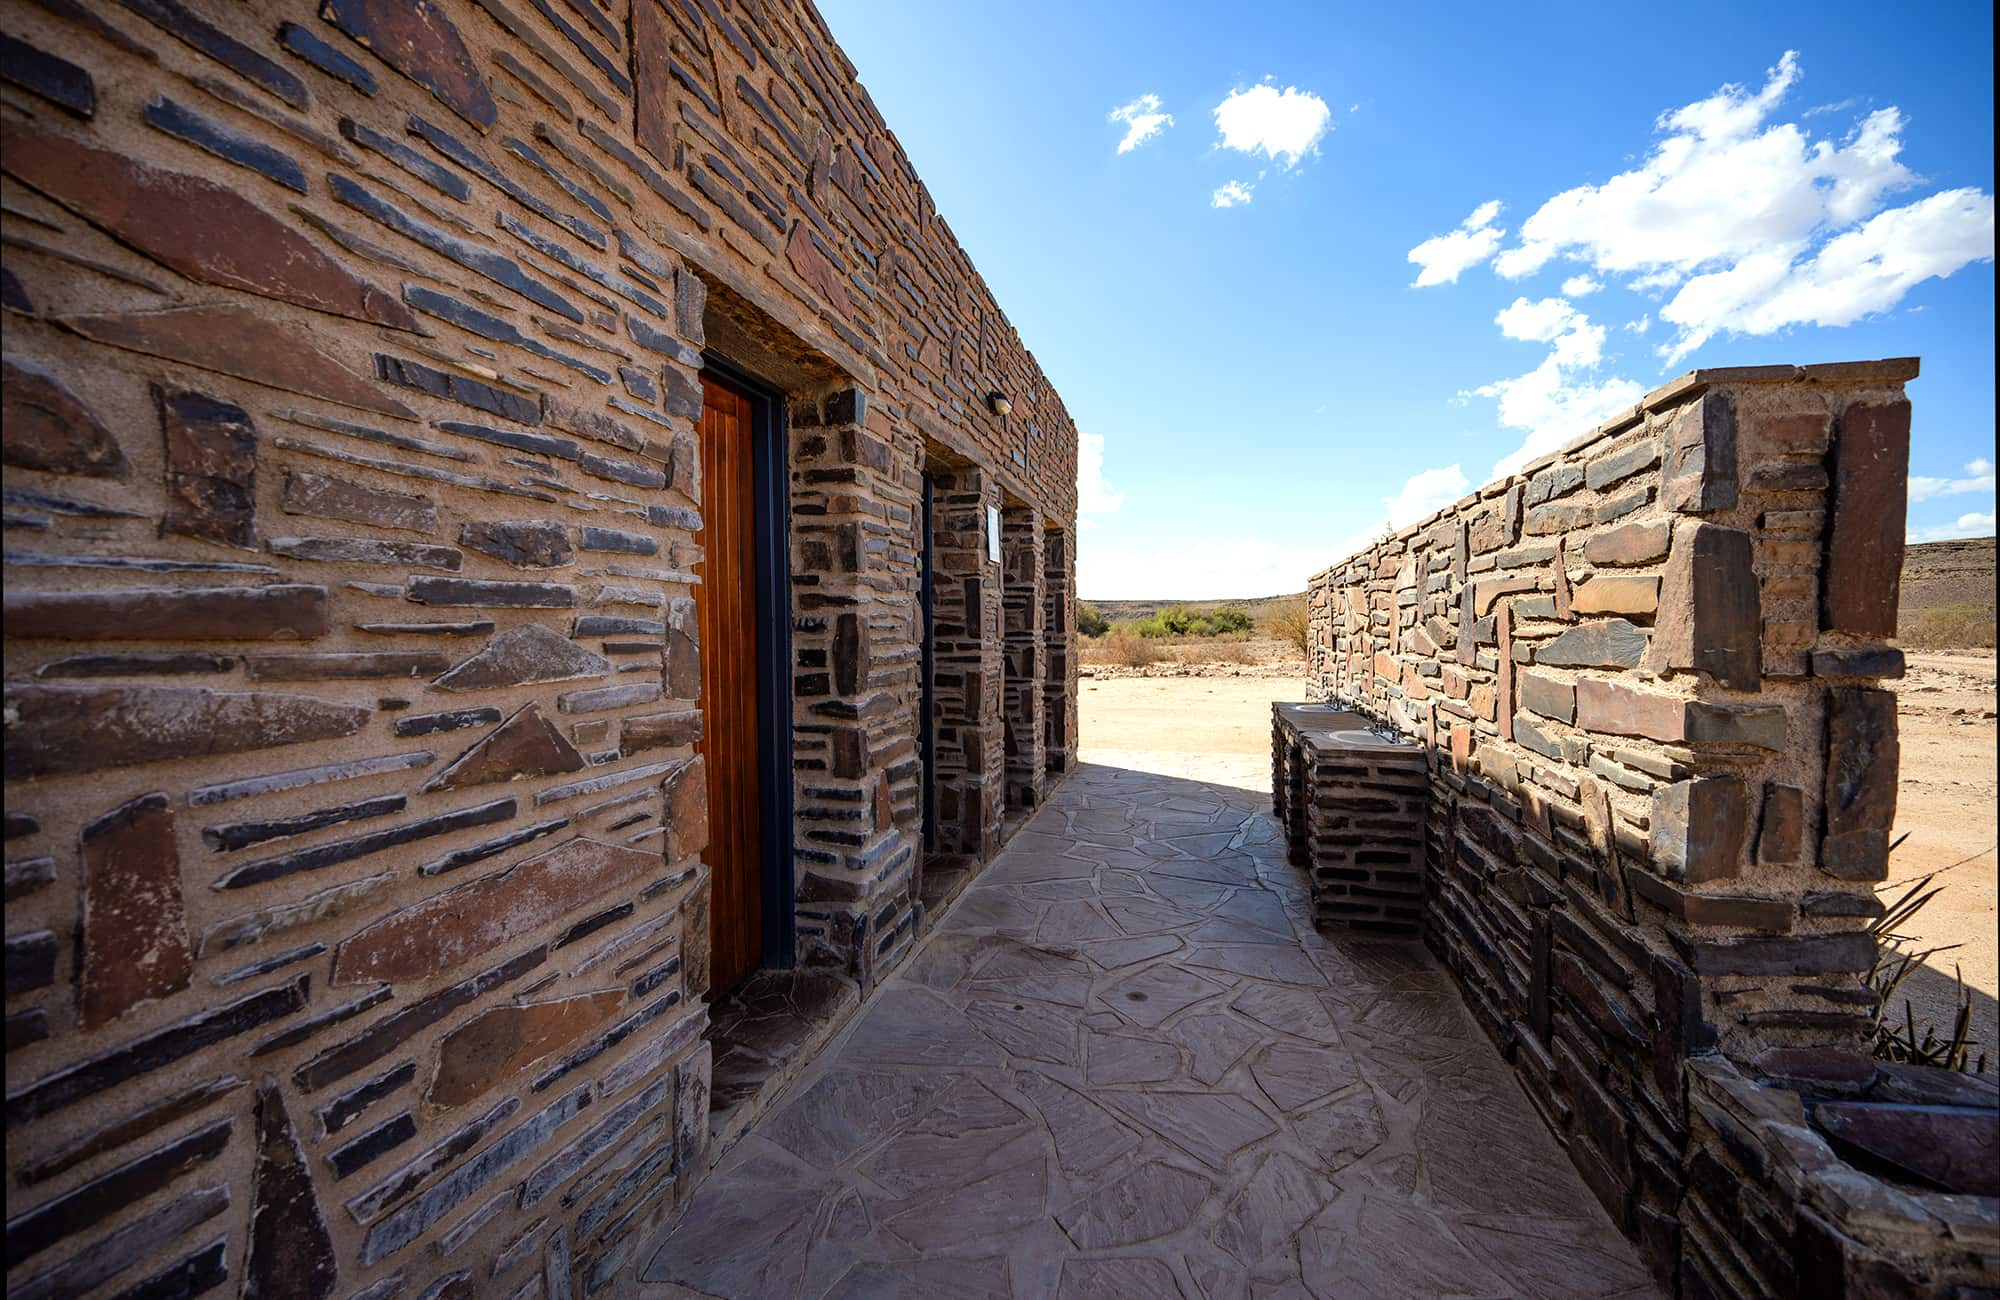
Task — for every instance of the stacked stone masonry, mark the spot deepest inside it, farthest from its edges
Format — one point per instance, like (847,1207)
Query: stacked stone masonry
(358,918)
(1645,671)
(1363,799)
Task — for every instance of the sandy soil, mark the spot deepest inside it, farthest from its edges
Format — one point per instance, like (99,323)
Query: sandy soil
(1947,804)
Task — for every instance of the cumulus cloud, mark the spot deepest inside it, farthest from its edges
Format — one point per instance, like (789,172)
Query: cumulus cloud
(1968,525)
(1424,494)
(1562,396)
(1143,120)
(1446,257)
(1230,194)
(1283,125)
(1094,493)
(1755,225)
(1978,478)
(1579,285)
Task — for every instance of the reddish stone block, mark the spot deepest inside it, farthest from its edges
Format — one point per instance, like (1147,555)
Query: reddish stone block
(1503,630)
(233,340)
(1781,833)
(1629,543)
(1710,614)
(1799,433)
(208,233)
(496,1044)
(1564,596)
(419,41)
(523,655)
(56,729)
(45,426)
(211,468)
(659,731)
(286,612)
(1615,709)
(290,1251)
(442,931)
(1699,829)
(1547,695)
(135,946)
(810,261)
(1864,553)
(1617,593)
(685,792)
(1700,470)
(526,745)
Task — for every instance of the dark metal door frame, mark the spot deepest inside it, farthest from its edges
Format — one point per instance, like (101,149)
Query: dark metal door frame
(771,488)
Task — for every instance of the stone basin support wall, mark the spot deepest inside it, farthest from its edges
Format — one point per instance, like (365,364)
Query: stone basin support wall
(1662,770)
(357,928)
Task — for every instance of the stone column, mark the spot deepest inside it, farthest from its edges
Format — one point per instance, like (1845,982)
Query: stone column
(965,659)
(1025,655)
(1059,653)
(854,655)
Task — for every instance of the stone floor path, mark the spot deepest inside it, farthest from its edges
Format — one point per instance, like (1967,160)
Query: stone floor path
(1126,1066)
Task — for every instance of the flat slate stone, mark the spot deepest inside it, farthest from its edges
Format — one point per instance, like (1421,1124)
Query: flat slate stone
(205,231)
(523,543)
(333,852)
(284,612)
(59,81)
(84,1207)
(521,656)
(1154,1200)
(205,133)
(117,1251)
(49,428)
(57,729)
(393,1030)
(326,497)
(135,946)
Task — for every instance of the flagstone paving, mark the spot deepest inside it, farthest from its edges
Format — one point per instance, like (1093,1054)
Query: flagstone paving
(1125,1065)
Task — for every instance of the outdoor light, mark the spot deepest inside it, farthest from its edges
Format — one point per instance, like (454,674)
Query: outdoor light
(999,405)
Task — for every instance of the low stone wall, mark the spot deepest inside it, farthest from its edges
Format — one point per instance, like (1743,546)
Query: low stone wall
(1355,802)
(1662,771)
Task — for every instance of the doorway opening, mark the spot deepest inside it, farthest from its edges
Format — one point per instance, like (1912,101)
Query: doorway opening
(743,608)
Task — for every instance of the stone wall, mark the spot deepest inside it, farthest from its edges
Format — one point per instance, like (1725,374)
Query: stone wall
(1662,772)
(357,936)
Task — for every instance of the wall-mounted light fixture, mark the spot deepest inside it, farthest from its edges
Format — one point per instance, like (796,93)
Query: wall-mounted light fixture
(999,405)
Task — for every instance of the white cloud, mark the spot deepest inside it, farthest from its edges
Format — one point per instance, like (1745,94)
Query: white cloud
(1424,494)
(1143,120)
(1854,274)
(1978,478)
(1972,525)
(1230,194)
(1756,224)
(1197,568)
(1640,326)
(1561,397)
(1446,257)
(1579,285)
(1094,494)
(1287,124)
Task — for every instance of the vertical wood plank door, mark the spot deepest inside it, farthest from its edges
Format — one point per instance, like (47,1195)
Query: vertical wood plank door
(726,610)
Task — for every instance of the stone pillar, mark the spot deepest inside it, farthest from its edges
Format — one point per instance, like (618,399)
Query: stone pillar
(1024,704)
(1059,653)
(965,656)
(854,654)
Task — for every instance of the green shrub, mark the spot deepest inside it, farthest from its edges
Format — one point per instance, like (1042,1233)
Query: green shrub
(1089,622)
(1228,619)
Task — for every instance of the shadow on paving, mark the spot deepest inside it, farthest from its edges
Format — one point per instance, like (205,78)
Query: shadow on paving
(1126,1065)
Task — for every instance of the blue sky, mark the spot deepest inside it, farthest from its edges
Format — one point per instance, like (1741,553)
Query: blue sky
(1230,305)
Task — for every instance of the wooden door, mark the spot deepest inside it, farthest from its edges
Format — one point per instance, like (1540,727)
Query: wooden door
(726,607)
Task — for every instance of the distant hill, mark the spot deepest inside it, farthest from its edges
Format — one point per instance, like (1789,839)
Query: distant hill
(1941,574)
(1119,611)
(1936,575)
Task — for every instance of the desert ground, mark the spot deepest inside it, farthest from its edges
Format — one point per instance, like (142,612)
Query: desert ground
(1152,718)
